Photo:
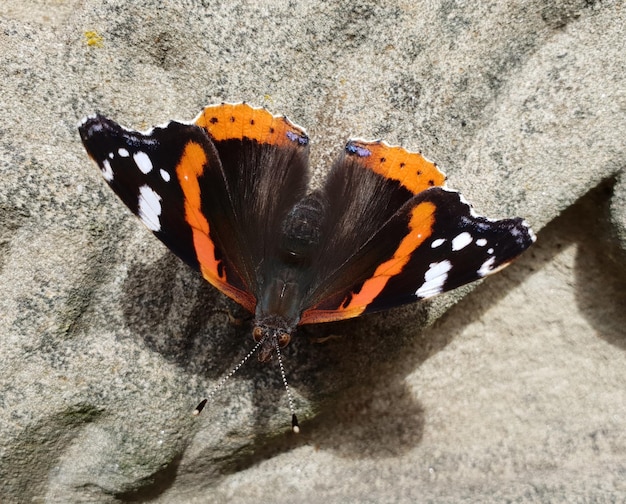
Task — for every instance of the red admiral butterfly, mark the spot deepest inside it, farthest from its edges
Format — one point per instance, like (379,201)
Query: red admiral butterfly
(228,195)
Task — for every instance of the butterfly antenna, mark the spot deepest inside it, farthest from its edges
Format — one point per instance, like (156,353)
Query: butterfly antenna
(295,426)
(225,378)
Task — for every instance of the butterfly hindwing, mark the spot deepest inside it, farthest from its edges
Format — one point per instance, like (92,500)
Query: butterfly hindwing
(265,162)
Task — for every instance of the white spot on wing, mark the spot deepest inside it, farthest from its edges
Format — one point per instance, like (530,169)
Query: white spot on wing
(487,267)
(123,152)
(164,175)
(437,243)
(93,128)
(489,251)
(462,240)
(149,208)
(107,171)
(481,242)
(434,278)
(533,236)
(143,162)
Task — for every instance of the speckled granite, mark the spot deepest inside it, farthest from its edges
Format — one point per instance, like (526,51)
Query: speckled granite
(517,393)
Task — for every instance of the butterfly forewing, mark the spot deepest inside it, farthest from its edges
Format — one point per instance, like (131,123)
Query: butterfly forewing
(159,175)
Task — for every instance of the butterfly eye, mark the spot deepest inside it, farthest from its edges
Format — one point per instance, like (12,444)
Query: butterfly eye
(284,339)
(257,334)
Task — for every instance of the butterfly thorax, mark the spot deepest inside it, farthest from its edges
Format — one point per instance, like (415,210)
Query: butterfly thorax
(277,313)
(301,230)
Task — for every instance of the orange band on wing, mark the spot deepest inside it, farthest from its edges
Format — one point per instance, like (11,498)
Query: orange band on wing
(239,121)
(189,170)
(420,226)
(411,169)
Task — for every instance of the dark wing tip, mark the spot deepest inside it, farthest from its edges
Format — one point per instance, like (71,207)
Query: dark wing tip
(94,125)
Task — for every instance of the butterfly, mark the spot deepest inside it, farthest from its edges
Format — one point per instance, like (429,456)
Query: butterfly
(229,194)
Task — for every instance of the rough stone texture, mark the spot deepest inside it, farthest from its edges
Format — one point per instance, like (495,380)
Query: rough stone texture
(517,393)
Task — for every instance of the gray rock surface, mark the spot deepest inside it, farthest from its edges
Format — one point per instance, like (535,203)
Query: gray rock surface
(517,392)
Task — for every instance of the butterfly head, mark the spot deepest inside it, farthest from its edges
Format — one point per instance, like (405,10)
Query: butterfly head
(270,339)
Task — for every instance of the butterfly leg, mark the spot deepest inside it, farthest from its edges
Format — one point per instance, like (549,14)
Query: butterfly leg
(233,319)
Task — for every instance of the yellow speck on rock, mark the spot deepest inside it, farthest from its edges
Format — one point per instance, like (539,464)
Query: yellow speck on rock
(93,38)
